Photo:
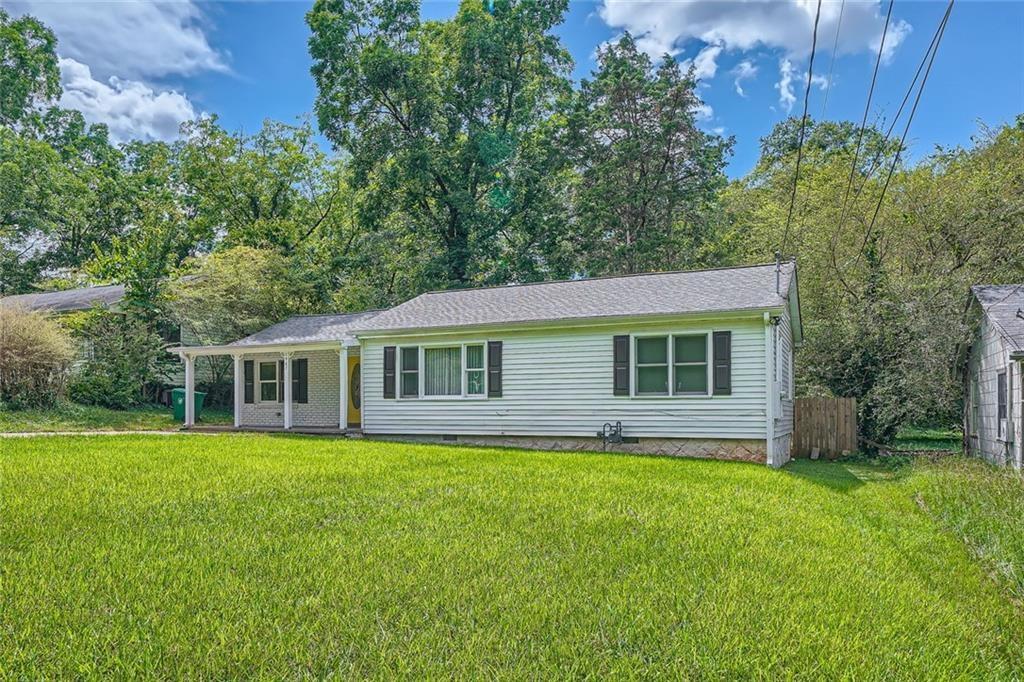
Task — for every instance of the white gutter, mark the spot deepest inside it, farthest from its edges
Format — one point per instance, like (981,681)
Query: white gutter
(252,348)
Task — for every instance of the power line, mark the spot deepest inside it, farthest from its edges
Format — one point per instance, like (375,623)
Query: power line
(906,129)
(863,123)
(832,62)
(899,112)
(803,125)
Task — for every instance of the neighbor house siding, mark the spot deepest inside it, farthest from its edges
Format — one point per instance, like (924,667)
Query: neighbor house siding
(322,409)
(559,383)
(989,356)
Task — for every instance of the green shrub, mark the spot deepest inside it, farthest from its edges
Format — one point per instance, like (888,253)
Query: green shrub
(123,355)
(35,354)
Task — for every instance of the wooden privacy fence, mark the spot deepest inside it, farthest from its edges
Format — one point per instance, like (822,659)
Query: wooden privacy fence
(828,424)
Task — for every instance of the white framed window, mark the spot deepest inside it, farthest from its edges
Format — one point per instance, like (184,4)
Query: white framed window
(690,364)
(442,371)
(268,382)
(1001,404)
(975,407)
(409,380)
(671,364)
(651,374)
(476,370)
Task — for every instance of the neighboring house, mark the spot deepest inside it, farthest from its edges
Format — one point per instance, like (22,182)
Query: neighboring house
(993,407)
(70,301)
(690,363)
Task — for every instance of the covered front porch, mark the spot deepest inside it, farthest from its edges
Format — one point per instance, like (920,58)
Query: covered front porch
(297,387)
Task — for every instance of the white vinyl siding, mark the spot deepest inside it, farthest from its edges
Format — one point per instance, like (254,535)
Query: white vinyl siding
(987,438)
(784,383)
(559,382)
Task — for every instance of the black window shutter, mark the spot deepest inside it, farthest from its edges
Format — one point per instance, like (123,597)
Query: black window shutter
(300,380)
(280,381)
(389,371)
(250,394)
(620,365)
(494,369)
(722,351)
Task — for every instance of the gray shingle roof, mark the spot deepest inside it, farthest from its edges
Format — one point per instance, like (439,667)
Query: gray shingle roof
(67,301)
(1002,302)
(719,290)
(308,329)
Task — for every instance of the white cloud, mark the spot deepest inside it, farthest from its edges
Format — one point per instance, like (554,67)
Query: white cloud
(665,27)
(113,55)
(785,85)
(703,112)
(745,70)
(135,40)
(131,109)
(787,77)
(705,64)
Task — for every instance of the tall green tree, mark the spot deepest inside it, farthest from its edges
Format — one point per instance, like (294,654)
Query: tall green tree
(29,74)
(647,195)
(883,295)
(446,122)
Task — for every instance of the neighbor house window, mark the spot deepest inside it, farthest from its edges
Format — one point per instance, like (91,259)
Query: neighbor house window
(652,365)
(410,380)
(1001,404)
(690,364)
(975,407)
(475,369)
(268,382)
(442,369)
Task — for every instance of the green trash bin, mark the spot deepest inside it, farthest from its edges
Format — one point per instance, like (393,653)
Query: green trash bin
(178,403)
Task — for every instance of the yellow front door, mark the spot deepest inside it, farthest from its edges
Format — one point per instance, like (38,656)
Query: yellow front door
(355,398)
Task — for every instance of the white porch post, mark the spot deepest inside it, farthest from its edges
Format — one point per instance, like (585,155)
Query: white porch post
(190,391)
(239,389)
(287,390)
(343,387)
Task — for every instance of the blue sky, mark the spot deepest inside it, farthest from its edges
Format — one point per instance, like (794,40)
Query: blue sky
(143,67)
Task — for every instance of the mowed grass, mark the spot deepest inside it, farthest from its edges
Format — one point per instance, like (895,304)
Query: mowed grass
(286,556)
(73,417)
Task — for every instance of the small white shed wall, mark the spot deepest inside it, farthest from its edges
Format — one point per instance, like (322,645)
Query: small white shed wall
(990,355)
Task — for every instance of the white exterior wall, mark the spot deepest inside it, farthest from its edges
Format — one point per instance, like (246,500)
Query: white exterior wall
(783,389)
(989,356)
(558,382)
(322,410)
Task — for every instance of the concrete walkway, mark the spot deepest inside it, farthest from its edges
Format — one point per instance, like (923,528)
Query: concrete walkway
(126,432)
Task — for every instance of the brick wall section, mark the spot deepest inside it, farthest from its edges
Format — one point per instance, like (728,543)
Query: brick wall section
(745,450)
(322,408)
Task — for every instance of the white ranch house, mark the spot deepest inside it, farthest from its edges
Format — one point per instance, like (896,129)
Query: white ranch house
(993,427)
(691,363)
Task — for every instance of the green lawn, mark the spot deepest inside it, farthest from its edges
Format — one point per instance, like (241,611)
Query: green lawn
(923,439)
(289,556)
(74,417)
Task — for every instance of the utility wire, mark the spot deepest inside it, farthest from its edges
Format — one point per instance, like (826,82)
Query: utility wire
(803,125)
(906,129)
(863,123)
(875,162)
(832,62)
